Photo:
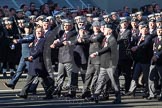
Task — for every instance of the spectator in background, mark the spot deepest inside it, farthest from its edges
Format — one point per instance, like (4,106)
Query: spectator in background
(149,10)
(156,8)
(36,12)
(56,9)
(126,11)
(6,10)
(25,9)
(32,8)
(12,12)
(45,9)
(51,5)
(2,14)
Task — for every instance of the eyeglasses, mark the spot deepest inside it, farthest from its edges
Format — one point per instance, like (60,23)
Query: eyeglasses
(81,24)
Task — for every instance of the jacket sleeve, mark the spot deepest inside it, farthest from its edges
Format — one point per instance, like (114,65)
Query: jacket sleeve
(26,40)
(146,42)
(111,44)
(97,39)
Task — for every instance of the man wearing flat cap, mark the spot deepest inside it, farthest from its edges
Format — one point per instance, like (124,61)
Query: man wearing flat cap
(109,60)
(143,53)
(81,53)
(152,27)
(93,68)
(81,23)
(65,44)
(125,57)
(115,19)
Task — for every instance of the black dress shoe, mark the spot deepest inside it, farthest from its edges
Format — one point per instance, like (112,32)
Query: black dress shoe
(129,93)
(116,101)
(94,97)
(12,74)
(34,92)
(21,96)
(150,98)
(105,97)
(4,75)
(86,94)
(66,88)
(70,95)
(48,97)
(9,85)
(160,98)
(57,92)
(146,95)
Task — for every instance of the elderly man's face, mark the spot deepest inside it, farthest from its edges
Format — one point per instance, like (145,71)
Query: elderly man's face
(159,32)
(96,29)
(107,31)
(124,25)
(45,25)
(67,26)
(80,25)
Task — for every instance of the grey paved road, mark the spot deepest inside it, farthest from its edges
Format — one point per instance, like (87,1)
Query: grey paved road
(8,100)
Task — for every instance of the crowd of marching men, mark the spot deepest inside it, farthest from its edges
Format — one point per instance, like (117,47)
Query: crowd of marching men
(92,44)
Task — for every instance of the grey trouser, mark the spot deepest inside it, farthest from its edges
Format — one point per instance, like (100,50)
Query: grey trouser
(63,70)
(154,70)
(91,77)
(104,76)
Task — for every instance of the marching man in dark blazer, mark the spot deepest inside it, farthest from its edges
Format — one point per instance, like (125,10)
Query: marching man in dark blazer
(125,58)
(108,62)
(36,66)
(156,65)
(143,53)
(65,44)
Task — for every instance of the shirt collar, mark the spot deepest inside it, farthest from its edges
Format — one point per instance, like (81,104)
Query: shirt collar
(66,31)
(107,36)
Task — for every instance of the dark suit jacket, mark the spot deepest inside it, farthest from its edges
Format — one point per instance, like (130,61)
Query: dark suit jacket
(153,33)
(81,52)
(124,44)
(158,51)
(144,52)
(66,52)
(109,55)
(37,67)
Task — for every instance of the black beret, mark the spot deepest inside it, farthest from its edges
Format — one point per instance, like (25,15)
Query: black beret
(142,23)
(151,20)
(133,20)
(123,20)
(144,26)
(108,26)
